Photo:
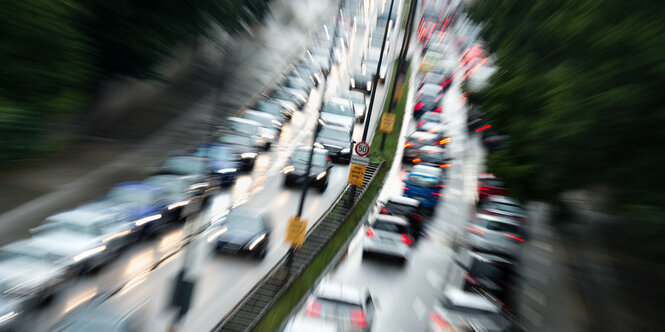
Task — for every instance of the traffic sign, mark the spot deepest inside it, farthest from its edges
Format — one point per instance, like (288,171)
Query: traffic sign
(295,233)
(362,149)
(356,175)
(355,159)
(387,123)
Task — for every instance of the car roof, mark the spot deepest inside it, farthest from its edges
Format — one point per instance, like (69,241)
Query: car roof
(241,120)
(309,148)
(404,200)
(424,134)
(139,185)
(339,100)
(335,127)
(392,219)
(188,157)
(340,292)
(259,114)
(504,199)
(461,298)
(470,255)
(500,219)
(432,148)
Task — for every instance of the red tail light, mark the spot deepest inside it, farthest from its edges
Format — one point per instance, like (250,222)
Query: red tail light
(314,309)
(417,160)
(444,165)
(358,318)
(436,194)
(483,189)
(513,237)
(420,123)
(408,144)
(476,230)
(438,109)
(439,186)
(439,321)
(470,279)
(406,188)
(446,83)
(370,232)
(416,217)
(384,211)
(419,105)
(483,128)
(406,239)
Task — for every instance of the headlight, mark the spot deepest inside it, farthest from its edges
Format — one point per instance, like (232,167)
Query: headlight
(318,77)
(321,175)
(217,234)
(319,145)
(347,150)
(268,137)
(88,253)
(257,241)
(248,155)
(276,123)
(116,236)
(353,83)
(288,169)
(369,86)
(227,170)
(177,204)
(147,219)
(8,316)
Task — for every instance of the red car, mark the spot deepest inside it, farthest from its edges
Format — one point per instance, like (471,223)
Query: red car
(489,185)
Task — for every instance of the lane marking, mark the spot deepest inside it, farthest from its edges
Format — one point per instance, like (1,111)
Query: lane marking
(419,308)
(534,295)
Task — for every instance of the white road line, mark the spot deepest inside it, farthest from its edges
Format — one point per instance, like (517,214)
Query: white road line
(535,318)
(535,275)
(419,308)
(433,278)
(534,295)
(542,245)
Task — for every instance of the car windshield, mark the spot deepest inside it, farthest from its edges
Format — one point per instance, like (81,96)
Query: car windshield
(186,165)
(431,117)
(6,255)
(423,139)
(389,227)
(337,108)
(334,133)
(302,157)
(74,227)
(400,209)
(237,140)
(269,107)
(265,121)
(430,89)
(485,269)
(503,207)
(244,127)
(215,153)
(338,311)
(423,181)
(358,98)
(463,310)
(493,183)
(130,195)
(502,227)
(434,155)
(244,222)
(170,185)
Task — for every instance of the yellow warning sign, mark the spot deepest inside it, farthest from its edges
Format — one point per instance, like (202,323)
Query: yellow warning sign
(387,123)
(295,234)
(356,175)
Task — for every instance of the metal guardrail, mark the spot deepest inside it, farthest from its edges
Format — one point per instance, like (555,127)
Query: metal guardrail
(249,311)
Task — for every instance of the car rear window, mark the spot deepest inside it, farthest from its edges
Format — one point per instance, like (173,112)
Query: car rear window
(423,182)
(502,207)
(337,311)
(400,209)
(389,227)
(502,227)
(493,183)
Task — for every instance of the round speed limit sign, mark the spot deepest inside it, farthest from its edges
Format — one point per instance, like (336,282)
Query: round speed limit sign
(362,149)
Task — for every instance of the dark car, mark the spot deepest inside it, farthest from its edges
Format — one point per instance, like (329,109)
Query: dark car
(417,140)
(408,208)
(243,145)
(433,156)
(489,185)
(361,80)
(427,99)
(296,168)
(241,232)
(150,206)
(223,161)
(337,140)
(187,192)
(490,275)
(437,78)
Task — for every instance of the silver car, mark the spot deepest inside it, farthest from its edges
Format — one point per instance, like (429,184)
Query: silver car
(359,103)
(465,311)
(339,111)
(504,206)
(496,234)
(388,235)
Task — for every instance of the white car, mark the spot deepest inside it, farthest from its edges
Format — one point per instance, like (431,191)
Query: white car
(350,308)
(266,120)
(388,235)
(359,103)
(466,311)
(263,137)
(339,111)
(496,234)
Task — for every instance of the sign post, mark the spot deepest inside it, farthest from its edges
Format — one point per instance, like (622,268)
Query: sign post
(359,162)
(295,233)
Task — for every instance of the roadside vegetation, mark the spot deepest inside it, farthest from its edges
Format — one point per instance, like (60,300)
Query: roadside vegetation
(55,53)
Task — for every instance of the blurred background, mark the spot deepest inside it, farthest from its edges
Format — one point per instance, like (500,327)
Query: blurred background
(552,104)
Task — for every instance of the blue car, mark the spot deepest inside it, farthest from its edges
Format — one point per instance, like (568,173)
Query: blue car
(224,163)
(423,187)
(149,207)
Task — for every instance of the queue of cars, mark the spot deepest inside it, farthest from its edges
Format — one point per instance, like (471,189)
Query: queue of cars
(88,237)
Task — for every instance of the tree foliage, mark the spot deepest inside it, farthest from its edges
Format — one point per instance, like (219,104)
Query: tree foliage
(54,53)
(579,92)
